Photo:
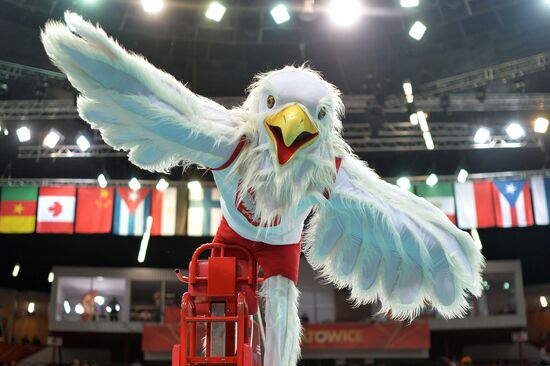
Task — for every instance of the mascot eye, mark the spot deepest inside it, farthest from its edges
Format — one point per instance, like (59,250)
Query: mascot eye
(322,113)
(270,101)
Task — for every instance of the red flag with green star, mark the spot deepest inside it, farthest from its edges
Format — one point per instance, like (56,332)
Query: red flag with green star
(18,210)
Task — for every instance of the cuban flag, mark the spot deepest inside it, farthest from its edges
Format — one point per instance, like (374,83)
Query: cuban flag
(541,199)
(512,201)
(131,211)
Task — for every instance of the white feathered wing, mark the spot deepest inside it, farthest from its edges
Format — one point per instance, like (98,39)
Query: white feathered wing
(136,106)
(387,244)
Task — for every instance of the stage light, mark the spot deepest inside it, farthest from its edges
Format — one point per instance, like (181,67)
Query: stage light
(67,307)
(477,239)
(404,183)
(407,88)
(417,30)
(543,301)
(152,6)
(102,181)
(6,132)
(162,184)
(117,307)
(409,3)
(215,11)
(344,12)
(428,140)
(482,136)
(83,143)
(31,307)
(134,184)
(15,271)
(51,277)
(100,300)
(423,121)
(79,309)
(541,125)
(506,285)
(194,186)
(515,131)
(23,134)
(108,309)
(432,180)
(51,139)
(144,241)
(414,119)
(280,14)
(462,176)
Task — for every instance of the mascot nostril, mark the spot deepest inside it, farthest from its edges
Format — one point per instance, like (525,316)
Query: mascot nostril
(383,243)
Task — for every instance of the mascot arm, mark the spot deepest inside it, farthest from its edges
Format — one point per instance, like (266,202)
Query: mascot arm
(387,244)
(137,107)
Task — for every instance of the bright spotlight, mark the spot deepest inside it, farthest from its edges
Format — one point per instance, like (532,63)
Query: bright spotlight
(23,134)
(432,180)
(102,181)
(83,143)
(117,307)
(423,121)
(79,309)
(134,184)
(15,271)
(417,30)
(280,14)
(51,139)
(215,11)
(407,88)
(100,300)
(51,277)
(144,241)
(152,6)
(543,301)
(31,307)
(482,136)
(414,119)
(428,140)
(194,186)
(67,307)
(409,3)
(344,12)
(541,125)
(462,176)
(515,131)
(162,184)
(404,183)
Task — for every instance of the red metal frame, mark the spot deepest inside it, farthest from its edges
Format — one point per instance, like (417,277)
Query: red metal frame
(238,296)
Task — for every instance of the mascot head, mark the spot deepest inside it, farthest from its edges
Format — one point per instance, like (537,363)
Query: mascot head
(296,129)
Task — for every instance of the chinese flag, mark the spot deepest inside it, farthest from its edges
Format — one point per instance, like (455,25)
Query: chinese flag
(94,210)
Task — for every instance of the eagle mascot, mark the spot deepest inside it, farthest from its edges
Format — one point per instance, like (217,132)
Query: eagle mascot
(276,159)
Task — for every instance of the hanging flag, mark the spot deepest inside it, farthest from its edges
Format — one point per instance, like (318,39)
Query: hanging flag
(512,203)
(56,210)
(474,205)
(131,211)
(94,210)
(541,199)
(204,213)
(441,196)
(169,208)
(18,210)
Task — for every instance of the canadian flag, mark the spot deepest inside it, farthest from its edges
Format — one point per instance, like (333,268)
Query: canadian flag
(56,207)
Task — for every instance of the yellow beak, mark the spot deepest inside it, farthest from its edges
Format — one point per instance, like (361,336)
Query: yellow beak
(290,130)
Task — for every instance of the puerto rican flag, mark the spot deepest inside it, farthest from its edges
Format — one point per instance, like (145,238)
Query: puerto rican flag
(131,211)
(512,201)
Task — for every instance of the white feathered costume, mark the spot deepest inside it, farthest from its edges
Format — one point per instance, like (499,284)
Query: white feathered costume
(275,159)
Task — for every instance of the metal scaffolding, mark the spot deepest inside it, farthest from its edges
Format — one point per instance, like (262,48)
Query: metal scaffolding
(10,70)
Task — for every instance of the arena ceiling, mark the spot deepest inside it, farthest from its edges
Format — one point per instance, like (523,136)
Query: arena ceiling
(370,59)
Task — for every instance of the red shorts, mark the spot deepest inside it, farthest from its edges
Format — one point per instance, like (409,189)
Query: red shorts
(276,260)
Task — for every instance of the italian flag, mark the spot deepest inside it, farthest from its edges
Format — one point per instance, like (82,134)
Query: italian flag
(18,210)
(475,205)
(441,196)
